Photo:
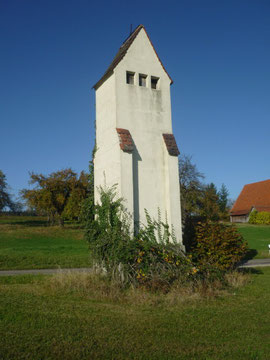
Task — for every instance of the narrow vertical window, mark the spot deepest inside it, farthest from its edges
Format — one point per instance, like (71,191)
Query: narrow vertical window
(154,82)
(142,80)
(130,77)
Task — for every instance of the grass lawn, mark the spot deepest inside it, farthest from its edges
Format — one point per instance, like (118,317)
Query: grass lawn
(258,238)
(28,243)
(41,322)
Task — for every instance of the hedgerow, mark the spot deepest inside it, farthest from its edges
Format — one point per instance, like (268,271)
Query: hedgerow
(262,217)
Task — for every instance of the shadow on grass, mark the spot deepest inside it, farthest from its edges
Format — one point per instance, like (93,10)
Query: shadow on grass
(74,227)
(250,254)
(250,271)
(37,222)
(29,223)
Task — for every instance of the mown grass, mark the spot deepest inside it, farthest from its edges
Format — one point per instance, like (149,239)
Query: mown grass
(28,243)
(40,320)
(258,238)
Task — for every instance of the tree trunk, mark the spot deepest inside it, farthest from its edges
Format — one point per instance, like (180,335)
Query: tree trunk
(61,222)
(51,217)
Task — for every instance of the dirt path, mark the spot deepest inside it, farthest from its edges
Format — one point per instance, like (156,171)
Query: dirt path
(41,271)
(255,263)
(247,264)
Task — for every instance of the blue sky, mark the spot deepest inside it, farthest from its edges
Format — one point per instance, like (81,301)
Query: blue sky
(217,52)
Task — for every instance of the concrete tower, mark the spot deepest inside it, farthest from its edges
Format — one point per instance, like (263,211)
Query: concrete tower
(136,148)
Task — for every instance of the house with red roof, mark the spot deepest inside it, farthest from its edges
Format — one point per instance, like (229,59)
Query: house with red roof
(255,196)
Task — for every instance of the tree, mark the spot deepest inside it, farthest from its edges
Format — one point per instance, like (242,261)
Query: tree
(56,193)
(88,205)
(223,200)
(230,203)
(5,198)
(74,204)
(17,208)
(191,187)
(210,203)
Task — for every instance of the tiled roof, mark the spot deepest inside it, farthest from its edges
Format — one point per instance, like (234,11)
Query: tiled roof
(241,212)
(125,140)
(255,195)
(122,52)
(262,208)
(171,145)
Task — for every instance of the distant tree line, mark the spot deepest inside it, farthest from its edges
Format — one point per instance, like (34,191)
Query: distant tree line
(5,198)
(199,199)
(201,203)
(59,196)
(6,201)
(65,195)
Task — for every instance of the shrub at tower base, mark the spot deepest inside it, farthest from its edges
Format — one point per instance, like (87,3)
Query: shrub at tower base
(217,247)
(152,258)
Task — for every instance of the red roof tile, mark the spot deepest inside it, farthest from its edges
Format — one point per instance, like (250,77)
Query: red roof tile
(255,195)
(122,52)
(125,140)
(171,145)
(241,212)
(262,208)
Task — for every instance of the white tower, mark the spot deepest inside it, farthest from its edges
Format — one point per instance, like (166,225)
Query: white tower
(136,148)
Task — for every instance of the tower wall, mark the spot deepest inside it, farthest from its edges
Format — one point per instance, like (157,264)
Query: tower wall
(147,177)
(107,162)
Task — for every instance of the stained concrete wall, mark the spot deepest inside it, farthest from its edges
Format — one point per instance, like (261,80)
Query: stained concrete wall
(107,160)
(148,177)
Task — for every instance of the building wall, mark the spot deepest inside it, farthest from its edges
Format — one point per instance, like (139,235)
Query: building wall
(239,218)
(148,177)
(107,160)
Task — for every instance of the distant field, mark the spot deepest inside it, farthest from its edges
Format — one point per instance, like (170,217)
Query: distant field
(258,238)
(28,243)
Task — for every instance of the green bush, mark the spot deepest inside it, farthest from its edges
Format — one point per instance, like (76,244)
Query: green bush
(218,248)
(259,217)
(108,232)
(152,258)
(253,217)
(159,259)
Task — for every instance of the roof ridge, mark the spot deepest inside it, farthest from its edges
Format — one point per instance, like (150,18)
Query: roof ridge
(138,28)
(257,182)
(122,52)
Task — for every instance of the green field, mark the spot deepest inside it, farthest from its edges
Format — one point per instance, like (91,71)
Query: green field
(42,322)
(28,243)
(258,238)
(41,319)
